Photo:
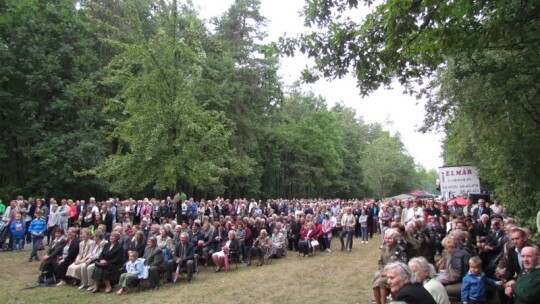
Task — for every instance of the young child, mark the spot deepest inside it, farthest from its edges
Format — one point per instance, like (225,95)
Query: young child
(17,229)
(37,229)
(134,271)
(473,288)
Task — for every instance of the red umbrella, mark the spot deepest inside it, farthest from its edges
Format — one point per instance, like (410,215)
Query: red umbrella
(460,201)
(176,274)
(420,194)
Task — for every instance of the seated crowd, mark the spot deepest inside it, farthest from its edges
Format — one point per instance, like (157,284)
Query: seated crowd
(96,245)
(482,255)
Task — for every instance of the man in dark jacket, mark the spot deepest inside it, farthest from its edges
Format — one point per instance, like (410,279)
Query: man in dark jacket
(154,259)
(513,255)
(183,258)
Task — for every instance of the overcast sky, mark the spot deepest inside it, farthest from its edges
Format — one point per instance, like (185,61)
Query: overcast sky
(404,112)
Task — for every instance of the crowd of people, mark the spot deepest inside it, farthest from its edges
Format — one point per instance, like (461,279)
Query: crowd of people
(484,256)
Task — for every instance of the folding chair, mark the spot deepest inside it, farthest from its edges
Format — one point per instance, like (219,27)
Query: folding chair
(234,256)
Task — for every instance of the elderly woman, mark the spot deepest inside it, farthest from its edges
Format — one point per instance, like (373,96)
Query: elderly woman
(70,250)
(88,264)
(392,250)
(401,285)
(452,266)
(423,272)
(54,252)
(230,245)
(482,229)
(277,242)
(348,223)
(109,261)
(52,223)
(165,243)
(74,270)
(307,235)
(260,248)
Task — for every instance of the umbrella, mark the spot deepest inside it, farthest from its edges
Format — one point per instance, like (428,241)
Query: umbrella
(180,197)
(403,197)
(226,261)
(176,274)
(460,201)
(420,194)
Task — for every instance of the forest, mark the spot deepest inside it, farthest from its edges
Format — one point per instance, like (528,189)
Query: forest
(143,97)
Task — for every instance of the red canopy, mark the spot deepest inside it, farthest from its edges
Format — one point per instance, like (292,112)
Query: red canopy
(420,194)
(458,201)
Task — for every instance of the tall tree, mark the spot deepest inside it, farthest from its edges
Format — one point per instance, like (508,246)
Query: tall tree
(167,139)
(303,149)
(251,89)
(51,124)
(388,169)
(349,183)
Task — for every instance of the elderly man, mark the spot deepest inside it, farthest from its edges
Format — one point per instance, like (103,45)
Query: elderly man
(480,210)
(392,250)
(154,259)
(524,290)
(183,258)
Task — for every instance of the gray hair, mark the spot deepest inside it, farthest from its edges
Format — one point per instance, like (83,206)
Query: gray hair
(424,265)
(402,271)
(391,232)
(184,234)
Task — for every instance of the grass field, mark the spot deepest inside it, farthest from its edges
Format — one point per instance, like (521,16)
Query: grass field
(336,277)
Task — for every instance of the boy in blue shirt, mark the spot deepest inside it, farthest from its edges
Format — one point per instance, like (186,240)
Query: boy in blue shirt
(473,288)
(37,230)
(17,229)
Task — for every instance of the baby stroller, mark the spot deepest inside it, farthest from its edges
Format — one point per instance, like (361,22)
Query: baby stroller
(4,229)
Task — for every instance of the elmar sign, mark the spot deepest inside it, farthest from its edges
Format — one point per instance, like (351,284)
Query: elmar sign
(459,180)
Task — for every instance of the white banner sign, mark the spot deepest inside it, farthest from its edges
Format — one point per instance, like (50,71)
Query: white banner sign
(459,180)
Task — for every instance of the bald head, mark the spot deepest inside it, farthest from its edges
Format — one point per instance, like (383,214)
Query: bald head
(530,256)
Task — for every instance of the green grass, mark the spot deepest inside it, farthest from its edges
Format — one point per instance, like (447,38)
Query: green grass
(336,277)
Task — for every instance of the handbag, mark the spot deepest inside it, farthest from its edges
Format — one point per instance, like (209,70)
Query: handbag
(144,274)
(314,243)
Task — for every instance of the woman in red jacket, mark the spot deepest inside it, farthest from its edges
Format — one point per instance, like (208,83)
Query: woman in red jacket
(307,235)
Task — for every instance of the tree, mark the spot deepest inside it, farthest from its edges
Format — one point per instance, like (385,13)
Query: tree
(303,149)
(426,180)
(166,138)
(406,40)
(51,126)
(387,169)
(349,182)
(249,91)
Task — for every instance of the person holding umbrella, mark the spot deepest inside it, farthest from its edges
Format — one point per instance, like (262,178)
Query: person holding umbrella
(182,259)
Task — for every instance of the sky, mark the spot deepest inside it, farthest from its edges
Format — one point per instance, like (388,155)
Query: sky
(396,111)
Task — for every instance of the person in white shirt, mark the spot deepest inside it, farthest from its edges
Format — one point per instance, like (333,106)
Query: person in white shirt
(424,272)
(496,207)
